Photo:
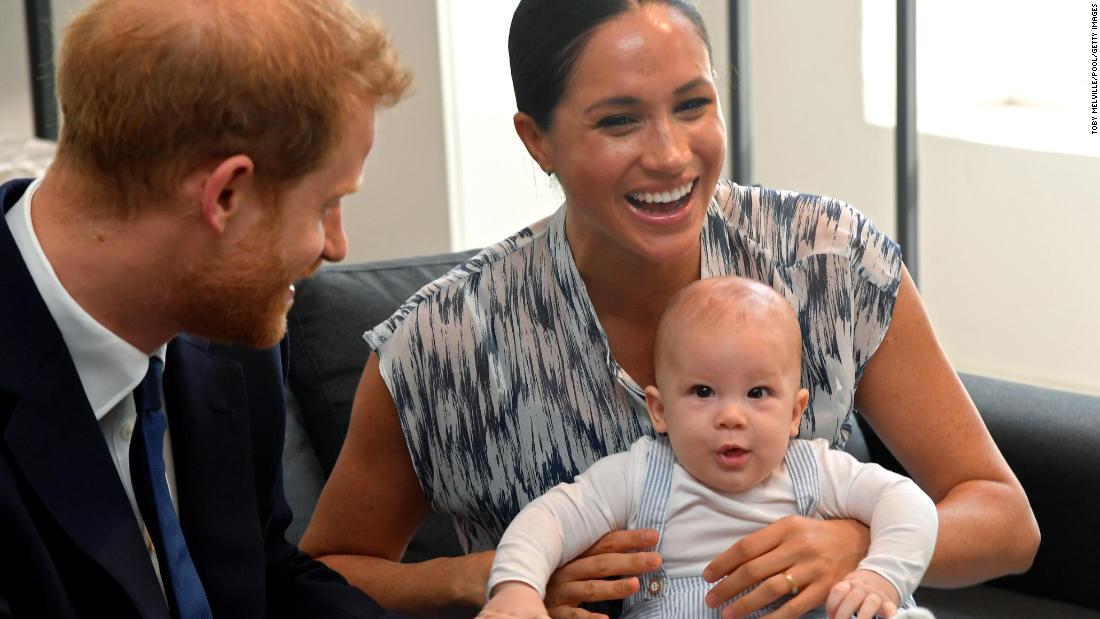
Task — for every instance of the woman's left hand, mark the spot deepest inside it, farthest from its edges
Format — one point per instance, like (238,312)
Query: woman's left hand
(815,554)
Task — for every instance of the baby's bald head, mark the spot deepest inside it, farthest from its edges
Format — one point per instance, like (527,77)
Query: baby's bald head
(721,304)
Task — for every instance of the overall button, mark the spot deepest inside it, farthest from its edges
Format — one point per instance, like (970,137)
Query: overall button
(655,586)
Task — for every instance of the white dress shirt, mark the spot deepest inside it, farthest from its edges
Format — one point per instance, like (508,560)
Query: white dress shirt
(109,367)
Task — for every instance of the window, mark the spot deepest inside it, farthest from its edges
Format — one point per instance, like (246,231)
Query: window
(1007,74)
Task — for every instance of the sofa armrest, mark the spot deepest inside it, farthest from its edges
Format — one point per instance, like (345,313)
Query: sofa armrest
(1051,440)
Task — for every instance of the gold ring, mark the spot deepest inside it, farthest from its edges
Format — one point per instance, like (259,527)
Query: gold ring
(790,581)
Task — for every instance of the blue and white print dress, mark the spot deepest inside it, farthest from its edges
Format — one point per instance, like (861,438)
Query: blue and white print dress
(505,384)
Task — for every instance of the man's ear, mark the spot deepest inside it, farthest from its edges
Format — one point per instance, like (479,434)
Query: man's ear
(534,138)
(223,188)
(801,399)
(656,408)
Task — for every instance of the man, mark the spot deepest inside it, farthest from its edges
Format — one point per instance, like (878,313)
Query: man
(204,150)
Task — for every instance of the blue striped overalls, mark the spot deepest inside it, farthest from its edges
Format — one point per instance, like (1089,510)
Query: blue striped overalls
(663,597)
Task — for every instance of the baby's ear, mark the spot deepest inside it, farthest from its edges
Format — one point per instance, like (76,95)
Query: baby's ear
(656,408)
(801,399)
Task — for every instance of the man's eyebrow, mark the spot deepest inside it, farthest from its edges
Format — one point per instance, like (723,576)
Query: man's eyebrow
(628,101)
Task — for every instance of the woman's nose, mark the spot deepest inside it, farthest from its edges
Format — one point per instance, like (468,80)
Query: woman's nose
(667,150)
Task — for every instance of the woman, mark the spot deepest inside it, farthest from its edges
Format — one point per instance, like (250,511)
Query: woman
(525,365)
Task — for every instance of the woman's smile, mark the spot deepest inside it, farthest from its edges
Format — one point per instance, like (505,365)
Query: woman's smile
(663,207)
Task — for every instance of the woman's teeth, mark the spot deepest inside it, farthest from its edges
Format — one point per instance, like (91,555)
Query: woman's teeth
(663,197)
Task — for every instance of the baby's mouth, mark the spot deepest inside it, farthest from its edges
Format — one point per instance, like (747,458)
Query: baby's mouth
(733,457)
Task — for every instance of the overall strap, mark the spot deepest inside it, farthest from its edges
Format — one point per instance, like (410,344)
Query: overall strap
(652,509)
(805,476)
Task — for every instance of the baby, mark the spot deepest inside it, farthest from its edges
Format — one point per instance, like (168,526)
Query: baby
(726,404)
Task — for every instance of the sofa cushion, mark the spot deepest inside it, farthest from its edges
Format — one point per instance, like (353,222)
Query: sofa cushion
(331,312)
(989,602)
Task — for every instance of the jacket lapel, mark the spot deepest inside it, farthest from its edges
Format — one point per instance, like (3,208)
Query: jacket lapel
(207,407)
(52,437)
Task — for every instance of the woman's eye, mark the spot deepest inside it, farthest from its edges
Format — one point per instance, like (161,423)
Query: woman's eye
(693,105)
(614,122)
(702,391)
(757,392)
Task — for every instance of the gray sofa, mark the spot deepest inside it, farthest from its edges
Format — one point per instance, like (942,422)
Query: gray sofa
(1051,439)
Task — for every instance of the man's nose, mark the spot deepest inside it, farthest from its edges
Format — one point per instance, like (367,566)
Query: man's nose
(336,241)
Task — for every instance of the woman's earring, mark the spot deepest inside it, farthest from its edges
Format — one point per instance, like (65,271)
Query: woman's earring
(549,171)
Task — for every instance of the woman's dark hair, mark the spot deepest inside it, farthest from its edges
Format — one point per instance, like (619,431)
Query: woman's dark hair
(547,37)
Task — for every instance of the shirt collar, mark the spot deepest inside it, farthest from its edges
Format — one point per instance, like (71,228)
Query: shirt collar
(108,366)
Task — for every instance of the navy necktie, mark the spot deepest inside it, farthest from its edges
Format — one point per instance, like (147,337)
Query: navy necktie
(175,561)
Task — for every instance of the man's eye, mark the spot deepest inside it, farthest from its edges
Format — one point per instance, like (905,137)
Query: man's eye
(757,392)
(702,391)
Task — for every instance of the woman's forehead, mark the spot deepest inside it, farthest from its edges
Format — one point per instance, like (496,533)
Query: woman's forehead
(652,41)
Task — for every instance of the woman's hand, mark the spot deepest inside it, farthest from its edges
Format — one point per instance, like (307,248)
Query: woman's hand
(863,593)
(584,579)
(815,554)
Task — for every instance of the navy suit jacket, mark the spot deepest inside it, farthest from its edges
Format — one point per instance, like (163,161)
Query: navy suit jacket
(70,545)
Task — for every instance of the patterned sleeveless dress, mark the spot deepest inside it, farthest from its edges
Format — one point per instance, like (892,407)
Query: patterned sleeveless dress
(505,384)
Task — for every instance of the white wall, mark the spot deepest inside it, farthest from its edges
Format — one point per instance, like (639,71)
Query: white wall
(402,209)
(16,110)
(1008,267)
(495,187)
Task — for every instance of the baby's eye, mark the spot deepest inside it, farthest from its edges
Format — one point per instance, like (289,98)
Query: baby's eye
(757,392)
(702,391)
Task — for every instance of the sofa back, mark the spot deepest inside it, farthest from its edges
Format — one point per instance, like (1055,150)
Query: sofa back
(1050,438)
(331,312)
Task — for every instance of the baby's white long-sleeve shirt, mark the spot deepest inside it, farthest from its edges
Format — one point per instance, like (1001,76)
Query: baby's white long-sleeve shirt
(701,523)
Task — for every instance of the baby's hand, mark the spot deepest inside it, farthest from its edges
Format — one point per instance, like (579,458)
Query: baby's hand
(862,592)
(514,600)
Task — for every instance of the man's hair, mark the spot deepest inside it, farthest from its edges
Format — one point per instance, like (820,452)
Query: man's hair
(149,91)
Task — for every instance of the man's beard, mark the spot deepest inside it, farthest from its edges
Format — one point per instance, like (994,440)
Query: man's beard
(240,298)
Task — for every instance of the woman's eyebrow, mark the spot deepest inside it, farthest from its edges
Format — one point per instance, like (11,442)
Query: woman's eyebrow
(628,101)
